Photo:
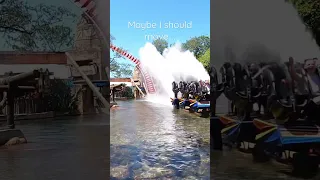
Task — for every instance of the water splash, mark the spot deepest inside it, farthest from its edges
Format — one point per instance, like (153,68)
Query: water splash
(272,25)
(174,65)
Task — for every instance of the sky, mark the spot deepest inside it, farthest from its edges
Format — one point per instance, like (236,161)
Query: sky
(143,11)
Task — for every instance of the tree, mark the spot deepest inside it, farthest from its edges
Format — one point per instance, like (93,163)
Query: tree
(35,28)
(205,60)
(59,98)
(197,45)
(118,69)
(309,11)
(160,44)
(126,92)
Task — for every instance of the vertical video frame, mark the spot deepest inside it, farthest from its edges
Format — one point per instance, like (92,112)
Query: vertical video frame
(265,89)
(54,100)
(160,91)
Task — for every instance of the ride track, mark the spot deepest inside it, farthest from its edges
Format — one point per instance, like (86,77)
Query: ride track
(89,9)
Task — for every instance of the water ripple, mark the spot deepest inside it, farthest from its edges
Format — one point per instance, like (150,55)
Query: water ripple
(163,143)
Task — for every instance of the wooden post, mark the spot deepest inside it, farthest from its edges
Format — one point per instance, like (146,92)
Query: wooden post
(10,107)
(113,94)
(215,132)
(215,123)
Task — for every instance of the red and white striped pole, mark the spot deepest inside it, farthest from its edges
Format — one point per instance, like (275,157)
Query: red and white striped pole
(89,8)
(148,80)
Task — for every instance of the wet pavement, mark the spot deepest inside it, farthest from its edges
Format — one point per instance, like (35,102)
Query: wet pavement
(64,148)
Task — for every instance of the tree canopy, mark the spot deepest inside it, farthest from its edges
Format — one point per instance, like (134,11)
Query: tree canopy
(35,28)
(205,59)
(198,45)
(119,69)
(160,44)
(309,11)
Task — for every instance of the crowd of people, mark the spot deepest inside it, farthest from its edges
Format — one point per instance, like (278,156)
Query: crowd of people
(302,78)
(192,90)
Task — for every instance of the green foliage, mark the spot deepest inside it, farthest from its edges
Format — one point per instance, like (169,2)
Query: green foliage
(197,45)
(59,98)
(35,28)
(119,69)
(160,44)
(309,11)
(126,92)
(200,46)
(205,60)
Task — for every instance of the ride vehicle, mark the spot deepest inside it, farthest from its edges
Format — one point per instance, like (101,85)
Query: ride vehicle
(195,97)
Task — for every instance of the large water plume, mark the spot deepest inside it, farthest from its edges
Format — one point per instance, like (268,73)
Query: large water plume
(173,65)
(259,30)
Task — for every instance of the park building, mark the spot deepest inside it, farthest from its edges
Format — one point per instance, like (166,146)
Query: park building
(89,54)
(133,84)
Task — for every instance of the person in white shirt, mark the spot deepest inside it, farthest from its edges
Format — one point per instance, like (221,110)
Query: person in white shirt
(313,76)
(313,86)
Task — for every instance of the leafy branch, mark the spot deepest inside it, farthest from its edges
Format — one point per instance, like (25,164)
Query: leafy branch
(35,28)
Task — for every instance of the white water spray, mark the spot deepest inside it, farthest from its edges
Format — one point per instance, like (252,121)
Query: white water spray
(272,24)
(174,65)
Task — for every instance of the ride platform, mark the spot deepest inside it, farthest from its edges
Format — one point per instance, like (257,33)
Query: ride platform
(297,133)
(296,144)
(193,106)
(237,130)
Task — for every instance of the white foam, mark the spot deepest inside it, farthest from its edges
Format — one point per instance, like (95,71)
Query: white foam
(174,65)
